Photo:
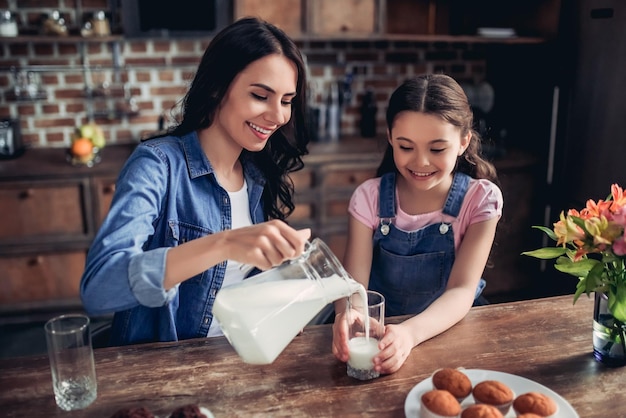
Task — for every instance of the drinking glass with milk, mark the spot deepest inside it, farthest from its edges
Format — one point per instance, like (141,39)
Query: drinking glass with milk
(261,315)
(366,326)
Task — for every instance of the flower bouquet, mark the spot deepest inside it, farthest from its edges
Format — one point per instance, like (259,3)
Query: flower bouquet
(590,245)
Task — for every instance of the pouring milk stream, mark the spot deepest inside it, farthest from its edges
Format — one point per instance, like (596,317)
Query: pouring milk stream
(261,315)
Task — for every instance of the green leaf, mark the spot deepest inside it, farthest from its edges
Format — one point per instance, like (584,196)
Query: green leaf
(617,303)
(546,253)
(581,287)
(549,232)
(579,268)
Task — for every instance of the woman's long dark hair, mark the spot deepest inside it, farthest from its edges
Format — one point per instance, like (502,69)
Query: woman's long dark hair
(440,95)
(229,53)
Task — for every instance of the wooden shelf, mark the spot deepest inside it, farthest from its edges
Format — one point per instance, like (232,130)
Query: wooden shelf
(301,37)
(342,37)
(70,39)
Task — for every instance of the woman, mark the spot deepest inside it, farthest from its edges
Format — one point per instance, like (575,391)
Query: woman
(195,205)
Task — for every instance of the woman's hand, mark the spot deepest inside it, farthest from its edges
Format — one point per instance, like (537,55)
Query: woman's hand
(340,337)
(263,245)
(266,245)
(396,347)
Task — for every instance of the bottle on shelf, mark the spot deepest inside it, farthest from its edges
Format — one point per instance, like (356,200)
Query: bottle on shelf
(368,115)
(8,25)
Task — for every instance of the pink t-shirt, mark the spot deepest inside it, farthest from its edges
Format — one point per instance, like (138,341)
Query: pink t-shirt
(483,201)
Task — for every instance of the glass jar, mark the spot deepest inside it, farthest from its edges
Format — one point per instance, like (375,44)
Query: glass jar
(8,25)
(54,24)
(609,334)
(100,24)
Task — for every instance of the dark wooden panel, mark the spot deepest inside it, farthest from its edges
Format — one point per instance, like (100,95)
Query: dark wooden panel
(41,277)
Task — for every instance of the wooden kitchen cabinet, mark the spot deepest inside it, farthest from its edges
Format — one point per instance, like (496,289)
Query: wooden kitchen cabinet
(49,214)
(51,210)
(323,189)
(35,213)
(41,277)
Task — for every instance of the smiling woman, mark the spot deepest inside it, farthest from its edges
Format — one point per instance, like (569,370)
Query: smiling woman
(212,193)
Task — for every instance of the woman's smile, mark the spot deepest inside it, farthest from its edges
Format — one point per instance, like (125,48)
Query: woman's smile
(261,133)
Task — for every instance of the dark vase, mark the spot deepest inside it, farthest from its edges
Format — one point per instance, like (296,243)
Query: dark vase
(609,345)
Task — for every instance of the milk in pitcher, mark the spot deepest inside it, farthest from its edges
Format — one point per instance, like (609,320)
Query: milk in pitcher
(260,319)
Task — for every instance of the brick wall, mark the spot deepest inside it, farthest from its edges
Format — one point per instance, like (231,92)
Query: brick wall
(128,84)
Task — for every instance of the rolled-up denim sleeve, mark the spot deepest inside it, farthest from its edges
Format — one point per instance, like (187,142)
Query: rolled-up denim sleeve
(145,275)
(121,271)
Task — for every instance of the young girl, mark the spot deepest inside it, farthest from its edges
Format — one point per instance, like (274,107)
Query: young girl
(192,206)
(421,232)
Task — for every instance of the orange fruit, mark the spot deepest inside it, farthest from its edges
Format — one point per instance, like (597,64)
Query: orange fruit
(81,147)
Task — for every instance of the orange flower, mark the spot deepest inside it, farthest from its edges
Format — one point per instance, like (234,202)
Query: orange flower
(593,209)
(619,199)
(567,231)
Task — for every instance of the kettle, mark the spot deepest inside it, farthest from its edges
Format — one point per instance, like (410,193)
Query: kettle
(10,139)
(261,315)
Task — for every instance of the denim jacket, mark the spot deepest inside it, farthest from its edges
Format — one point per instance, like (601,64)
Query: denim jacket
(166,194)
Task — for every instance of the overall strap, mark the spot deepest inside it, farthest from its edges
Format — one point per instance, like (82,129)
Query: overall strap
(460,183)
(387,196)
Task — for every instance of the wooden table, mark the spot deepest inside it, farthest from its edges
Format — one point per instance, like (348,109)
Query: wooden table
(545,340)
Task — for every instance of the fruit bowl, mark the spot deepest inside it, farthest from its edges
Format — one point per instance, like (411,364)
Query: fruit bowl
(89,160)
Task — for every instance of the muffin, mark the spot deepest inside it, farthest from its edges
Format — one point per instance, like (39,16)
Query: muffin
(529,415)
(438,403)
(191,411)
(536,403)
(481,410)
(493,392)
(454,381)
(135,412)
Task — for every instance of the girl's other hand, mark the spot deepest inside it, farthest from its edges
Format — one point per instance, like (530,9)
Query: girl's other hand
(340,338)
(395,347)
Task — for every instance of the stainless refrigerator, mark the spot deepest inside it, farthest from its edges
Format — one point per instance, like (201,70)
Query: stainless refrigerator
(588,142)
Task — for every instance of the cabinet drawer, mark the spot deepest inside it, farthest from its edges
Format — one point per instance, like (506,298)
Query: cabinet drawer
(302,180)
(41,277)
(342,16)
(34,212)
(286,14)
(302,211)
(337,209)
(348,177)
(104,189)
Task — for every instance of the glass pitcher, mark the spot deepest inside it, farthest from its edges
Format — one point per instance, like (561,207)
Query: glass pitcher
(261,315)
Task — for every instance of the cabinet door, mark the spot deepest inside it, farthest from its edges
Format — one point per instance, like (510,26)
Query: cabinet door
(104,189)
(44,212)
(304,197)
(41,277)
(507,272)
(338,184)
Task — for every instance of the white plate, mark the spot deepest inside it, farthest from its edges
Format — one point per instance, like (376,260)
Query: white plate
(518,385)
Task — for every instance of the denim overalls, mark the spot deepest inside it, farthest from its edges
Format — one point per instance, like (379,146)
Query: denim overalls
(411,269)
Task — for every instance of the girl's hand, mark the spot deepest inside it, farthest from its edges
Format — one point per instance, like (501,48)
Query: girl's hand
(395,346)
(267,244)
(340,337)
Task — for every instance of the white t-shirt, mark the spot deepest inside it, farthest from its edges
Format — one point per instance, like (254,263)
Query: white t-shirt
(240,217)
